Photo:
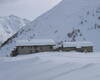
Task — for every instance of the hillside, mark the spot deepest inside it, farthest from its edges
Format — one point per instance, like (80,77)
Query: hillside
(9,25)
(77,20)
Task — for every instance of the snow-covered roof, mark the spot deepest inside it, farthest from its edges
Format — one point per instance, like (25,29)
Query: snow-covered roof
(35,42)
(77,44)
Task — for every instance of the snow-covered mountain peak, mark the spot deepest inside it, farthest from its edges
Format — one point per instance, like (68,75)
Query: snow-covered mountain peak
(12,16)
(9,25)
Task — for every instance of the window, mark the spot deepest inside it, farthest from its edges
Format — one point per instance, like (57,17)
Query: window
(35,47)
(51,47)
(41,48)
(22,47)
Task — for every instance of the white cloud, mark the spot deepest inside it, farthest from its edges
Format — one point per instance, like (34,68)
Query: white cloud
(26,8)
(7,1)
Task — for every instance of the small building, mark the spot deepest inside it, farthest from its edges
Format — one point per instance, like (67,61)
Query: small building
(77,46)
(33,46)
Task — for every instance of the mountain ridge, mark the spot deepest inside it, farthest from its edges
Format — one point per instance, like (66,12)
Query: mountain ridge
(9,25)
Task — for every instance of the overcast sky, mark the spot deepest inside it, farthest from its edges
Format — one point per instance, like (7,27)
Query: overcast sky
(29,9)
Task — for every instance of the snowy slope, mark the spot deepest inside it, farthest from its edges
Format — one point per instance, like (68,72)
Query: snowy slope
(51,66)
(77,20)
(65,18)
(9,25)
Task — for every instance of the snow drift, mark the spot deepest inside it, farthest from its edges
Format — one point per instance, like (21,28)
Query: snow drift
(51,66)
